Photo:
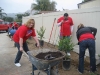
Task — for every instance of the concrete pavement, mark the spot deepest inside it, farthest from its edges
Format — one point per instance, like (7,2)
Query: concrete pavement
(7,56)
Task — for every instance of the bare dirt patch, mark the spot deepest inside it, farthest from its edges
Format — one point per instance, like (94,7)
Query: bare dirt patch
(74,60)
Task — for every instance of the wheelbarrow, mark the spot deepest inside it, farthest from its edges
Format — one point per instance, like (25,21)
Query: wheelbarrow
(44,65)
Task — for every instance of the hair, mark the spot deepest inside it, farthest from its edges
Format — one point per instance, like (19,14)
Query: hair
(80,25)
(29,21)
(66,14)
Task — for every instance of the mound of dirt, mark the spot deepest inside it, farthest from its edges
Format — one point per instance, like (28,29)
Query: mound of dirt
(52,54)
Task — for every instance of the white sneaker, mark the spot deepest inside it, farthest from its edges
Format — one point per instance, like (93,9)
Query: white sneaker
(9,33)
(18,64)
(10,39)
(68,54)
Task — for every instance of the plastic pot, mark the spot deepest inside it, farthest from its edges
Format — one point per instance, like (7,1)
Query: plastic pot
(41,43)
(66,64)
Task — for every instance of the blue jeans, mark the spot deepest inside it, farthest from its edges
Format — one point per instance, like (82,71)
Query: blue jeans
(9,29)
(83,45)
(12,32)
(19,53)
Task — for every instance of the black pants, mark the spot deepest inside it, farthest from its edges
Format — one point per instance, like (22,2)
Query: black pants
(19,53)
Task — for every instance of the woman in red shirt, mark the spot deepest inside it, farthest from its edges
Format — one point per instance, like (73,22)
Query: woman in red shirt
(86,39)
(21,35)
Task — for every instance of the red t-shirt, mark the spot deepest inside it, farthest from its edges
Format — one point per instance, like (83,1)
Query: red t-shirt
(15,25)
(86,36)
(23,32)
(65,29)
(10,25)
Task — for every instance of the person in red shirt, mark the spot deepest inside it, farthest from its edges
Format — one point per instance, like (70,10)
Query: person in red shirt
(21,35)
(86,39)
(10,25)
(15,25)
(66,25)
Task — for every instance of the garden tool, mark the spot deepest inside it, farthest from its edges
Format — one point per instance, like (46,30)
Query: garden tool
(25,54)
(54,35)
(52,29)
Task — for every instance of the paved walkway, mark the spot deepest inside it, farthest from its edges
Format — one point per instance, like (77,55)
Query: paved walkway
(7,56)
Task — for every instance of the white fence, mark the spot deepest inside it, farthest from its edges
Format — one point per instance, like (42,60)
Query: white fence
(89,17)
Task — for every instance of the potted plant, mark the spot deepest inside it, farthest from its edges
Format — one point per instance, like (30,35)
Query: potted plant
(99,59)
(93,73)
(66,45)
(41,35)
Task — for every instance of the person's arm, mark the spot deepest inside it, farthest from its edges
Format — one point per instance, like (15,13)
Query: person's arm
(21,44)
(37,41)
(77,35)
(93,30)
(60,23)
(22,34)
(72,28)
(35,38)
(72,25)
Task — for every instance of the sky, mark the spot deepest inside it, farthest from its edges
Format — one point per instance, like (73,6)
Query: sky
(20,6)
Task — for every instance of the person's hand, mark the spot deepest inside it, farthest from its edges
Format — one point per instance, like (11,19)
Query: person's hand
(21,49)
(70,35)
(38,45)
(94,38)
(62,21)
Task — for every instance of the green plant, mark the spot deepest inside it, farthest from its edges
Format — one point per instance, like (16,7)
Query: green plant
(41,33)
(92,73)
(98,55)
(66,44)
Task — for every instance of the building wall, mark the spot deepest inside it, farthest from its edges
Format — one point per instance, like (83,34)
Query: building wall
(89,17)
(90,4)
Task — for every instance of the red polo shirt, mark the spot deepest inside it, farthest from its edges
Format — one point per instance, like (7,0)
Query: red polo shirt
(23,32)
(65,29)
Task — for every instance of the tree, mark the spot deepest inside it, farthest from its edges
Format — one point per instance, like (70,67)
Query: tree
(53,5)
(19,16)
(8,19)
(26,14)
(2,14)
(44,5)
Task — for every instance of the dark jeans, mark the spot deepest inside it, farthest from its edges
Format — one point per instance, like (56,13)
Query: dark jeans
(83,45)
(19,53)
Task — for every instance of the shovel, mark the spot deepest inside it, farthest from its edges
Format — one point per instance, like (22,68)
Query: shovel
(25,54)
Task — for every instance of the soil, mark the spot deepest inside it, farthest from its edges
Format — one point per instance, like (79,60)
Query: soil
(48,55)
(74,60)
